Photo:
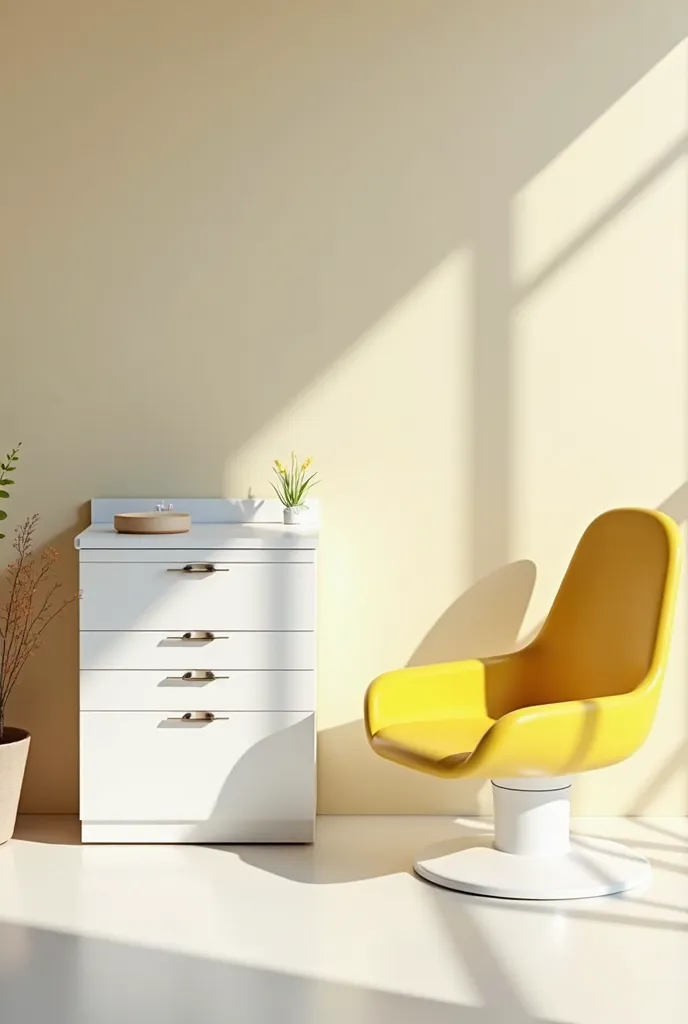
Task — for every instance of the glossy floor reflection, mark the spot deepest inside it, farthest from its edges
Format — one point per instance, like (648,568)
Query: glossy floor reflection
(336,932)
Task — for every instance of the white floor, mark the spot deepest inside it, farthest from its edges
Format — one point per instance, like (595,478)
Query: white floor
(338,932)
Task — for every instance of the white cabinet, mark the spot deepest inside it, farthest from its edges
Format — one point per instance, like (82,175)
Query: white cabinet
(198,678)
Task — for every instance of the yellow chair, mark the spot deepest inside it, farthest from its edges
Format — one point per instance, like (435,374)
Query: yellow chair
(581,696)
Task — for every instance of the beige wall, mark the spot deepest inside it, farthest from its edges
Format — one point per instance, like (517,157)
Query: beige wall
(439,246)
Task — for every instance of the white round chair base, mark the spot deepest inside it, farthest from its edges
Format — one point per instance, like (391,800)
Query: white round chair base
(592,867)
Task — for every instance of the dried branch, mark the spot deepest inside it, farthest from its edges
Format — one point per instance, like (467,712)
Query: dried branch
(29,610)
(20,573)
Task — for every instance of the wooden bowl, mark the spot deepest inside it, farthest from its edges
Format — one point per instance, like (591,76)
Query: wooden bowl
(153,522)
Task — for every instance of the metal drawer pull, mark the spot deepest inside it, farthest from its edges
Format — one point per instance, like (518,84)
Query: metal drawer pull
(198,716)
(200,677)
(202,635)
(199,567)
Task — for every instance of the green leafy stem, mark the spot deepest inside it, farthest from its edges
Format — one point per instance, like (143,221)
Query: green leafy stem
(6,469)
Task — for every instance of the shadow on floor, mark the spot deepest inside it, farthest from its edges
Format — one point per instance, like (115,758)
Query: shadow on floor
(72,979)
(388,846)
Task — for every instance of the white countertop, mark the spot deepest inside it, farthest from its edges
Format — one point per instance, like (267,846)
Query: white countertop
(203,535)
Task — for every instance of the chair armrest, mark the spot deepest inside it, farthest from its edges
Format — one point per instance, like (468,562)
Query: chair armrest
(565,738)
(474,688)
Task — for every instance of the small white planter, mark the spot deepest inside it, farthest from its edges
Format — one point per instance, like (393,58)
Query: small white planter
(292,516)
(14,751)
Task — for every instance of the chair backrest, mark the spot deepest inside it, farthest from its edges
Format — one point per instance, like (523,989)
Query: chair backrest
(610,624)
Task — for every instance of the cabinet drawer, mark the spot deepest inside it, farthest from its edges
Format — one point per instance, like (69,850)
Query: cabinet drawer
(163,596)
(223,688)
(152,767)
(167,652)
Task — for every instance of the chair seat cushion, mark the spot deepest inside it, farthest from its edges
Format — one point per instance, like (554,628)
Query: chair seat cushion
(435,747)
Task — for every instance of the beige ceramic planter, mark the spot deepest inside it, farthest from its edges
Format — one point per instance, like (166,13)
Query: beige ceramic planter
(14,751)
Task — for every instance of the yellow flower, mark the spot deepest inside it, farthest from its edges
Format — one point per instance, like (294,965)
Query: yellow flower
(280,467)
(307,463)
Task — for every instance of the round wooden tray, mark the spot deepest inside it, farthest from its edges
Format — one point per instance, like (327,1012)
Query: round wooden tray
(153,522)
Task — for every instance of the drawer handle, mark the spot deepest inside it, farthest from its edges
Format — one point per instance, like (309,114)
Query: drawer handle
(199,567)
(198,716)
(198,676)
(199,635)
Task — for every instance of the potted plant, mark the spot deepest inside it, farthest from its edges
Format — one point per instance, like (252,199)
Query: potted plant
(292,486)
(31,605)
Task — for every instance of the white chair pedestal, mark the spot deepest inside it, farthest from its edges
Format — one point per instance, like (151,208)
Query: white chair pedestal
(531,854)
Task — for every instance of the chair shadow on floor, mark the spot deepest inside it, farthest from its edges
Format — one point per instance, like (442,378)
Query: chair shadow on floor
(341,854)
